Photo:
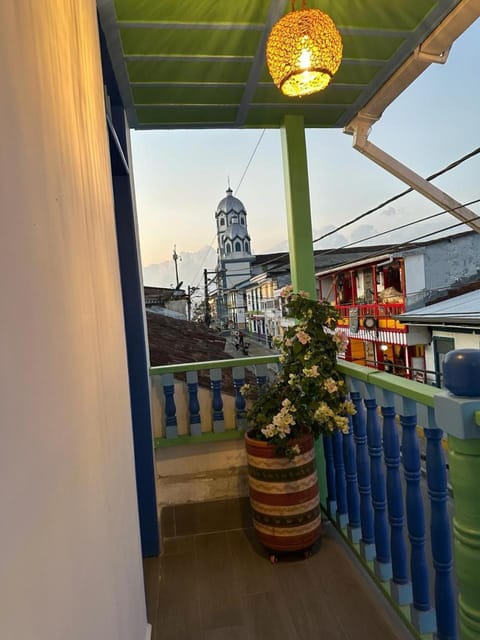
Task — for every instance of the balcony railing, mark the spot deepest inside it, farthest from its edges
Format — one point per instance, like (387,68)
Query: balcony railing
(384,315)
(393,513)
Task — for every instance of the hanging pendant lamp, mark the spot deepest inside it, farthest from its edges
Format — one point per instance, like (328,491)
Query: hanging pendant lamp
(304,51)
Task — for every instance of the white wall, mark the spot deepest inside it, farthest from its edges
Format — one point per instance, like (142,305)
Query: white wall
(414,278)
(204,471)
(70,564)
(462,341)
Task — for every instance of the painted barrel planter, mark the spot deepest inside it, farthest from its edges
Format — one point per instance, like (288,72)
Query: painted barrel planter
(284,495)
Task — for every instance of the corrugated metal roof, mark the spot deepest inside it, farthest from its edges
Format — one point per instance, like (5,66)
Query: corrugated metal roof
(460,310)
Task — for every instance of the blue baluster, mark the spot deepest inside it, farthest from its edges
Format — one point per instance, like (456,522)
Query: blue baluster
(423,616)
(217,400)
(261,374)
(440,532)
(171,429)
(400,587)
(240,403)
(193,404)
(353,498)
(330,474)
(383,565)
(367,546)
(340,483)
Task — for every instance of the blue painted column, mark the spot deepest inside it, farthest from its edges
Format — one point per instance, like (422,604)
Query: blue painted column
(331,503)
(238,374)
(217,401)
(134,318)
(340,482)
(193,404)
(367,542)
(400,587)
(383,565)
(422,614)
(353,497)
(457,412)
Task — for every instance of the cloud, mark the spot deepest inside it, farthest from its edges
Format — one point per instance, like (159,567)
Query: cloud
(389,211)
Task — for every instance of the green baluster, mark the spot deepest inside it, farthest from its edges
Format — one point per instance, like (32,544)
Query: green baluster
(458,414)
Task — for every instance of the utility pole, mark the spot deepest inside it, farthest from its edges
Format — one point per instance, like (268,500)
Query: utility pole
(191,291)
(207,306)
(175,258)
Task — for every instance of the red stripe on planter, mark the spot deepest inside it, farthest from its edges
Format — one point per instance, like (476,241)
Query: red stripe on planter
(284,499)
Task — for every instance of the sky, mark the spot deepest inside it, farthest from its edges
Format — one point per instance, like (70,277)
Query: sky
(180,176)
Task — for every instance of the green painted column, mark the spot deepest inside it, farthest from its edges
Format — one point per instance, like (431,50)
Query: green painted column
(299,221)
(300,238)
(458,413)
(464,460)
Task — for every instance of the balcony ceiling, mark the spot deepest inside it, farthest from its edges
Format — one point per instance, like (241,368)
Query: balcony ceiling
(200,63)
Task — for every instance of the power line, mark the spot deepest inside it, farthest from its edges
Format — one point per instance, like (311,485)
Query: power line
(449,167)
(404,244)
(388,247)
(210,247)
(403,226)
(250,160)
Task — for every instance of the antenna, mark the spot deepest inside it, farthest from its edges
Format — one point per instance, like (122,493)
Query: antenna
(175,258)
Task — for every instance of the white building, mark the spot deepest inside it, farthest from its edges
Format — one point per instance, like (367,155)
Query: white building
(453,324)
(234,259)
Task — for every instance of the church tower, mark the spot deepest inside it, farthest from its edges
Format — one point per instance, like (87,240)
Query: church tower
(234,258)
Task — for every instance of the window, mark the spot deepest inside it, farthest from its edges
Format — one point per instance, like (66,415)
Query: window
(228,247)
(238,246)
(246,246)
(222,222)
(242,220)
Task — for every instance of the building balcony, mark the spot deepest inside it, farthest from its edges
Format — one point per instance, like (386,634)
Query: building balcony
(382,313)
(384,563)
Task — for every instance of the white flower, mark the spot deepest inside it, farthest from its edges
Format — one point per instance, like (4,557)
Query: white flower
(303,337)
(312,372)
(268,431)
(330,385)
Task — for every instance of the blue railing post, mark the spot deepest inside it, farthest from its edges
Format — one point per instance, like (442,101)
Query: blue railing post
(340,484)
(458,414)
(238,374)
(367,543)
(440,531)
(353,498)
(193,404)
(423,616)
(330,476)
(217,400)
(400,587)
(171,429)
(383,565)
(261,374)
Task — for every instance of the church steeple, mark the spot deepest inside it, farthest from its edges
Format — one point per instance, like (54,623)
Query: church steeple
(232,232)
(234,257)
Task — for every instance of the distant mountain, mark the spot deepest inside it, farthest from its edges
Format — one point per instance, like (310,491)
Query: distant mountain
(190,269)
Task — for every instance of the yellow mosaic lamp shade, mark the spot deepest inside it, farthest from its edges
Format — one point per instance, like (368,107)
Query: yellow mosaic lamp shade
(304,51)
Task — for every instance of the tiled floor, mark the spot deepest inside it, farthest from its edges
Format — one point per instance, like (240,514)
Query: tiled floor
(213,581)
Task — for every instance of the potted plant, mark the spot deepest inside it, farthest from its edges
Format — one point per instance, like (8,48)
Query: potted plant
(306,399)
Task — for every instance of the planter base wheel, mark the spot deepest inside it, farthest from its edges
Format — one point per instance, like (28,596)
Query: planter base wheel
(274,556)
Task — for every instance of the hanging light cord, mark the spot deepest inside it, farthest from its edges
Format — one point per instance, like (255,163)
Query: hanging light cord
(292,4)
